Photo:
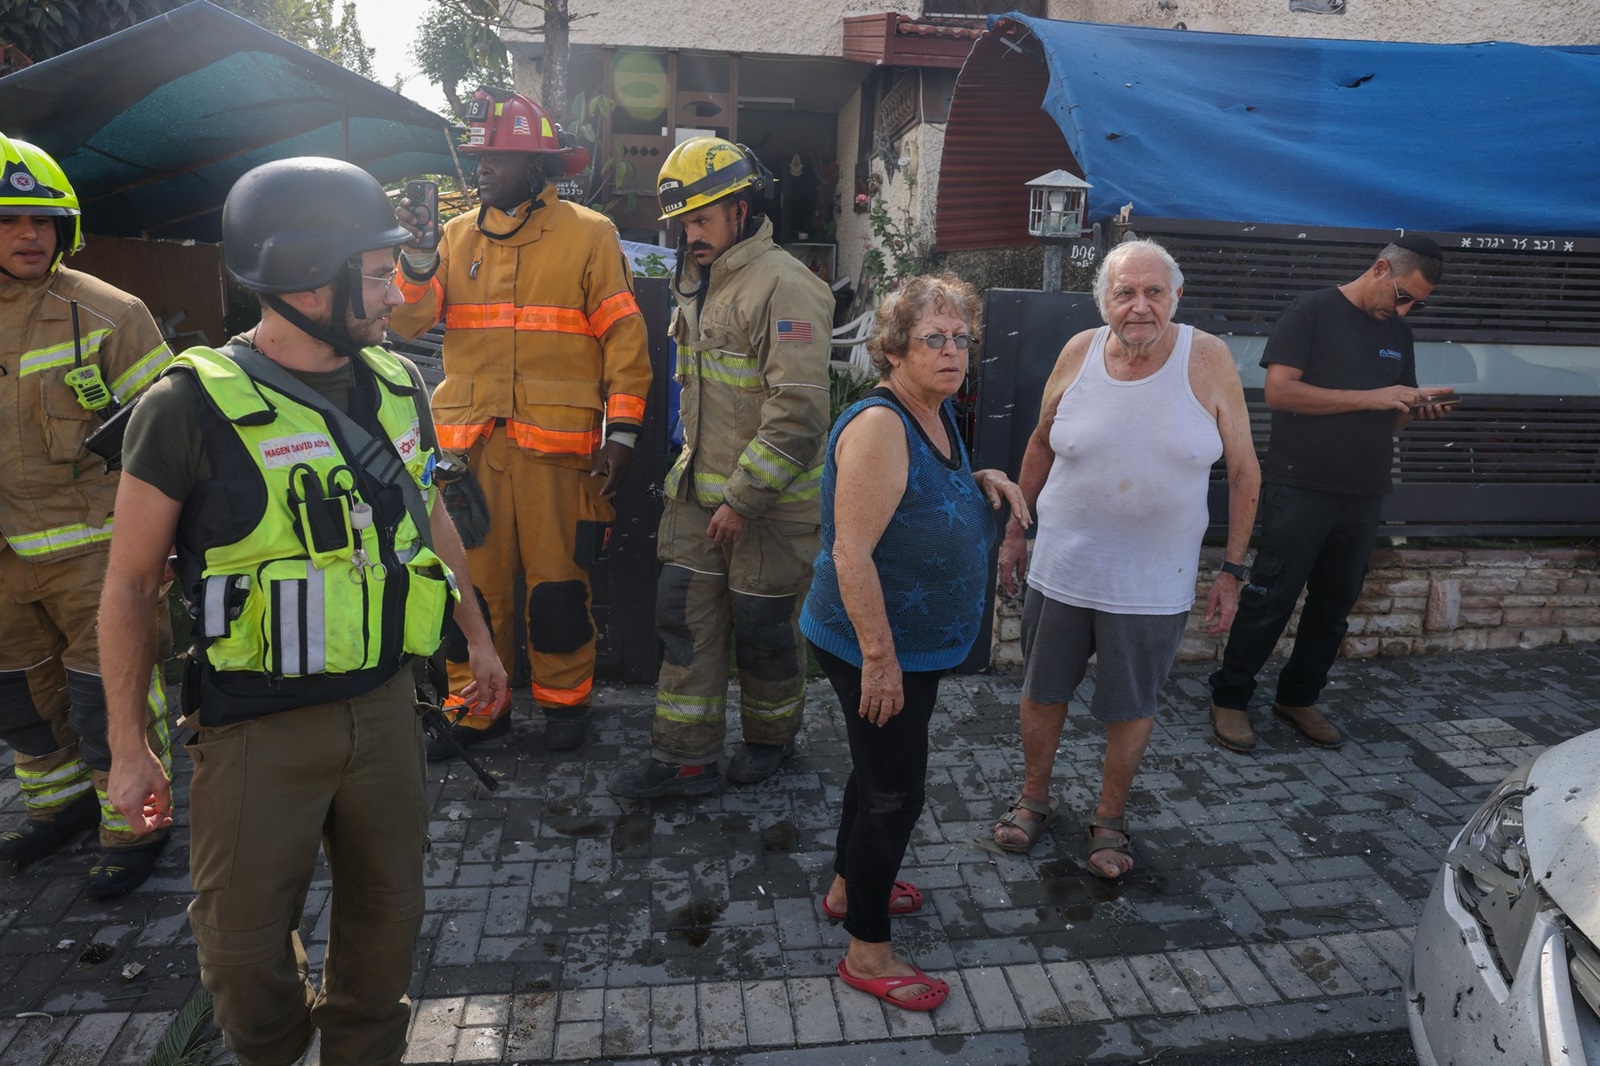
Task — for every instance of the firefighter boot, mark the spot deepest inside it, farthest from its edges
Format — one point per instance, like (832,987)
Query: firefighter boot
(35,840)
(118,871)
(651,777)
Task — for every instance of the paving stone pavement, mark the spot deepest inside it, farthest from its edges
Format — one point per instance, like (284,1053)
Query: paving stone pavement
(1274,899)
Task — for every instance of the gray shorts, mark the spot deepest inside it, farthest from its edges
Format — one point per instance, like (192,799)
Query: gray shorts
(1134,654)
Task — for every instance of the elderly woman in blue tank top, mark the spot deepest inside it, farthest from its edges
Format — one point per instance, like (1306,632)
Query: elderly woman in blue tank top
(896,601)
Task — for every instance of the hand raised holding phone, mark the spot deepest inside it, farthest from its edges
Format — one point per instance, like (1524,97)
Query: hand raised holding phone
(419,213)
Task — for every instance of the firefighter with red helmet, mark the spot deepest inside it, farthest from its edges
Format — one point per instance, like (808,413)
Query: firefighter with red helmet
(546,373)
(72,351)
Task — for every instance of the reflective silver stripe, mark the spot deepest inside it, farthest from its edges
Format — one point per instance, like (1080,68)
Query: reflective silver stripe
(70,772)
(141,373)
(289,596)
(316,628)
(63,354)
(28,545)
(405,555)
(214,607)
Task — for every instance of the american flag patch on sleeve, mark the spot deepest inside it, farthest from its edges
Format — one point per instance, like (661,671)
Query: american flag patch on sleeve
(791,330)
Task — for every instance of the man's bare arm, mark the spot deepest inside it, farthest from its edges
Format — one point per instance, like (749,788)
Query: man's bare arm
(1286,391)
(146,521)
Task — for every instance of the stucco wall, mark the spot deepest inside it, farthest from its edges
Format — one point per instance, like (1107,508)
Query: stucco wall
(908,193)
(1430,21)
(791,28)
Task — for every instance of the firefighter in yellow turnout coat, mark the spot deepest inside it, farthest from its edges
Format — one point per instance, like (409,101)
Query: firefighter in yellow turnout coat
(59,326)
(739,533)
(546,373)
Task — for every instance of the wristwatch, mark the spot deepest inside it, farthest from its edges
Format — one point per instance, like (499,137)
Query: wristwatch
(1238,570)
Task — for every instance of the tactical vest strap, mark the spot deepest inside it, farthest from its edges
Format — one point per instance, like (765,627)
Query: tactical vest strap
(377,456)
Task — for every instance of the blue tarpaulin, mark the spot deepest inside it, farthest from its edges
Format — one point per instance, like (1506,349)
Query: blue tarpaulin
(1490,137)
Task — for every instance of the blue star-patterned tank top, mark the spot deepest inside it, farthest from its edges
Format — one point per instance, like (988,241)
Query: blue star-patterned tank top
(932,559)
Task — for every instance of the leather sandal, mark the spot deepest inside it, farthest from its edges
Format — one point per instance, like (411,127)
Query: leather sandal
(1032,828)
(1099,844)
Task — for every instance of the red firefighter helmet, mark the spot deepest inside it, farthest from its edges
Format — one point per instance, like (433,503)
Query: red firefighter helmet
(510,122)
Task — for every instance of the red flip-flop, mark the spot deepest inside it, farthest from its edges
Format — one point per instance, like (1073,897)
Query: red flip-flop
(901,890)
(938,991)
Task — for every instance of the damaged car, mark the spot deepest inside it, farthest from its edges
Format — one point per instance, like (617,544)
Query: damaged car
(1504,967)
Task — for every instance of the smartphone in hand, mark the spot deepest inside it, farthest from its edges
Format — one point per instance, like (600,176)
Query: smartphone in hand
(424,198)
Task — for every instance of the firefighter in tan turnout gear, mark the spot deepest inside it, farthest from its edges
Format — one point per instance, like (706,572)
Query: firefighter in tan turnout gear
(739,533)
(73,350)
(546,373)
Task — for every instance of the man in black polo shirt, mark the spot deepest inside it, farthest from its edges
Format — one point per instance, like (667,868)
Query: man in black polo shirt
(1341,382)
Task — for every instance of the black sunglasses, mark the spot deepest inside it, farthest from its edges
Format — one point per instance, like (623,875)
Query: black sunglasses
(1402,298)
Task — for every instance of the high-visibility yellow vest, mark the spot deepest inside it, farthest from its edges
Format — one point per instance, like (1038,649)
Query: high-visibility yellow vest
(310,581)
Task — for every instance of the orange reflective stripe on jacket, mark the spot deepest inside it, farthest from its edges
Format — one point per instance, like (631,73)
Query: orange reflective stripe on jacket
(552,441)
(510,316)
(612,310)
(564,697)
(458,438)
(620,406)
(413,291)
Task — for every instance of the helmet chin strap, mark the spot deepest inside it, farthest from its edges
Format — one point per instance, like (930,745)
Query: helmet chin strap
(537,180)
(346,300)
(63,242)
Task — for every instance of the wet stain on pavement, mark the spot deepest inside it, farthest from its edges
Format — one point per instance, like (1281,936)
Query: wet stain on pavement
(693,923)
(631,834)
(577,827)
(1319,968)
(779,836)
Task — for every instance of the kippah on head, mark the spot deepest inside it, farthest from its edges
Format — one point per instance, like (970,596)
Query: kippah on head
(1420,245)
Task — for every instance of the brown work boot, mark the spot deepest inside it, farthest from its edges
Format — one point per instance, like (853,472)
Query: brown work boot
(1312,726)
(1232,728)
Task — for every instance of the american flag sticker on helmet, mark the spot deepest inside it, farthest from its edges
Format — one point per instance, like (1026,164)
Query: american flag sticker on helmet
(521,128)
(791,330)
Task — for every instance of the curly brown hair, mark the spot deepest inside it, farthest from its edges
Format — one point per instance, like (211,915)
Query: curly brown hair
(900,311)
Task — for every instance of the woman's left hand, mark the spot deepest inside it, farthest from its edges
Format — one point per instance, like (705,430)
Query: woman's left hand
(999,490)
(882,690)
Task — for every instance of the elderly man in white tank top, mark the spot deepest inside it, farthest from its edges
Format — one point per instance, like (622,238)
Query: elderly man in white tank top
(1134,416)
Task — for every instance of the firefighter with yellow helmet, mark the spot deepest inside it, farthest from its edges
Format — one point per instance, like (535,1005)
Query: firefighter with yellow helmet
(546,372)
(73,350)
(737,539)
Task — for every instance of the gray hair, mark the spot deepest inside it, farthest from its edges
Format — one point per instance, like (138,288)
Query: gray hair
(1405,262)
(900,311)
(1114,258)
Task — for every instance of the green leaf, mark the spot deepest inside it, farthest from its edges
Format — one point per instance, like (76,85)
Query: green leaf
(184,1035)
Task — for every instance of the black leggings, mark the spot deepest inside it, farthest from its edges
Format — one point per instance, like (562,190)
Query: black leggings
(883,797)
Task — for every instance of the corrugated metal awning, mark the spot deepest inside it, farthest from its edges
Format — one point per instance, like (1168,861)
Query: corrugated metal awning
(997,141)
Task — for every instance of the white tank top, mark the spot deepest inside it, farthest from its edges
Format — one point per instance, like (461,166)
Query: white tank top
(1124,509)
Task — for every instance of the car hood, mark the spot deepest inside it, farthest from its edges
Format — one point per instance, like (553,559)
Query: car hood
(1561,823)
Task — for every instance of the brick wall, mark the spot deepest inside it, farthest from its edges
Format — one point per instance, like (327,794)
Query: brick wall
(1418,601)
